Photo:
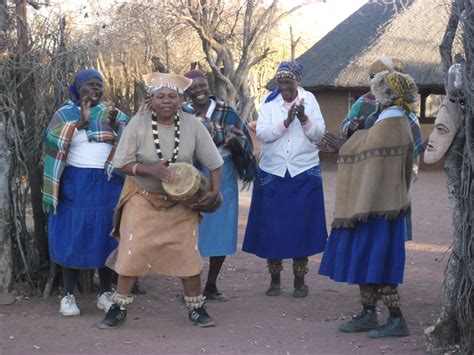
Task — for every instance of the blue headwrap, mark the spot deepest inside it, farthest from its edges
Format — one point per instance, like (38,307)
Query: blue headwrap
(80,78)
(286,69)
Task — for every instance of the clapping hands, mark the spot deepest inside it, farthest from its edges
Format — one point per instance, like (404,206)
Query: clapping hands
(331,142)
(353,126)
(112,113)
(83,121)
(296,111)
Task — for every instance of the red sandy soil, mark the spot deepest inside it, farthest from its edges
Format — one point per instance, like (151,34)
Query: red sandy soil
(251,322)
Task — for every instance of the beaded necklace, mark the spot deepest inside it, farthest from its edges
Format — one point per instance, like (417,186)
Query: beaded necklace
(156,139)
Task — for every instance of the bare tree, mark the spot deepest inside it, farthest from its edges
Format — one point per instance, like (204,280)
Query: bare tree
(293,43)
(143,34)
(34,68)
(234,38)
(25,91)
(455,327)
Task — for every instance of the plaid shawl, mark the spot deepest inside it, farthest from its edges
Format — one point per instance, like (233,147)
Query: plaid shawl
(225,119)
(368,107)
(58,138)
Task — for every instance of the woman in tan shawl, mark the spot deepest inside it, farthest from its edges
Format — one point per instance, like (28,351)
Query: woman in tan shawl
(158,235)
(367,241)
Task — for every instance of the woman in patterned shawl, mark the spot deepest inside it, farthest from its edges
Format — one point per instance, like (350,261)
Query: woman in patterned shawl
(364,113)
(80,188)
(367,242)
(218,231)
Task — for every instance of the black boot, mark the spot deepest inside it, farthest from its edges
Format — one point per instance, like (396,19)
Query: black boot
(114,317)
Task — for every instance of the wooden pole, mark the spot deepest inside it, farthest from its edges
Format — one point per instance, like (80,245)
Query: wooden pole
(22,27)
(6,249)
(27,105)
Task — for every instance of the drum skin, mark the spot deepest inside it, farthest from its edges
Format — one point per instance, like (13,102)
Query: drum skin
(189,185)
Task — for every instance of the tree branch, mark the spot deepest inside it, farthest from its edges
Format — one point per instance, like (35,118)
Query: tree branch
(261,57)
(446,45)
(247,21)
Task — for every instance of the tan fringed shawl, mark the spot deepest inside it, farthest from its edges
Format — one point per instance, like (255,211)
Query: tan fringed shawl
(373,174)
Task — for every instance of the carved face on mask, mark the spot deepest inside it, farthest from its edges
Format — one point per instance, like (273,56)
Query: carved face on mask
(447,123)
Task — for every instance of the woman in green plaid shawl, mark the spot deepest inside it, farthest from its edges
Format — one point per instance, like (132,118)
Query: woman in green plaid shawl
(80,188)
(218,231)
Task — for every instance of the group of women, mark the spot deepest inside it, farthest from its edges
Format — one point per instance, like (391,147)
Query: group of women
(104,171)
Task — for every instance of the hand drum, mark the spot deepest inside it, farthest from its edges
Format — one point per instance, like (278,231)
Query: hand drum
(189,185)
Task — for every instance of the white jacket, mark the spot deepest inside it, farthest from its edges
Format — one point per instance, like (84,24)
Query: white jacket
(289,148)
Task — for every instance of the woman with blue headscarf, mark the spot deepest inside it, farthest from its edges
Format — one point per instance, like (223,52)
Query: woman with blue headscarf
(80,188)
(286,218)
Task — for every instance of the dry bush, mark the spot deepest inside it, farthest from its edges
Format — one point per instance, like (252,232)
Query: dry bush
(34,86)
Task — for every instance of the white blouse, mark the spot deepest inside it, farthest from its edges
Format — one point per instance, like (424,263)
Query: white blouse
(289,148)
(389,112)
(87,154)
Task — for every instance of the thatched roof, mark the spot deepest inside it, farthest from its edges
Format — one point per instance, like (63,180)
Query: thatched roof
(411,30)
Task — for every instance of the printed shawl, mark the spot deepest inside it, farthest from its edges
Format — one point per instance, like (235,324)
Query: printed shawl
(373,174)
(225,119)
(368,107)
(58,138)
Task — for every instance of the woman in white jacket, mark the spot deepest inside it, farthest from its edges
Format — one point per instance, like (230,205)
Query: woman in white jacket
(287,219)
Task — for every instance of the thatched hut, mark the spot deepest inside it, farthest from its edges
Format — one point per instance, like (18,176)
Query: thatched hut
(336,67)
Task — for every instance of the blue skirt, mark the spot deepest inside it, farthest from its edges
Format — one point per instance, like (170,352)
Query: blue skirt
(286,218)
(372,252)
(218,230)
(79,234)
(409,226)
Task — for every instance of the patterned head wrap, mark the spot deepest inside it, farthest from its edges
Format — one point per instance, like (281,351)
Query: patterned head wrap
(195,73)
(286,69)
(289,69)
(394,88)
(80,78)
(156,81)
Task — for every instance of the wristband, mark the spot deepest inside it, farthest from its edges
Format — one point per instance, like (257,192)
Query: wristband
(134,169)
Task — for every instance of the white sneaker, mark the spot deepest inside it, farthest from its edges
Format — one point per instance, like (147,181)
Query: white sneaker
(68,306)
(105,300)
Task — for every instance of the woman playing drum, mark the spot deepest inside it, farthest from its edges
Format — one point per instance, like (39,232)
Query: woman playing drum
(157,234)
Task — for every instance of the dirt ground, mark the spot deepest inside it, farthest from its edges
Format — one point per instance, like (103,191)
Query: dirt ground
(251,322)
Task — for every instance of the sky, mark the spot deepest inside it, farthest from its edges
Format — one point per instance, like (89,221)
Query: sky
(314,21)
(311,22)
